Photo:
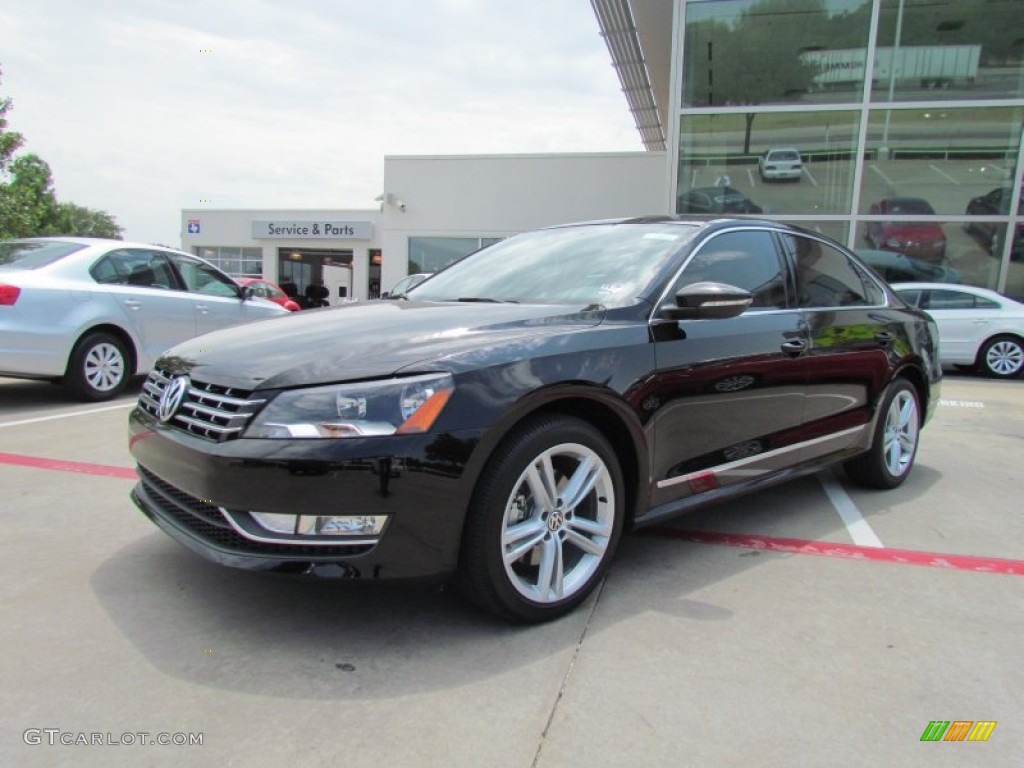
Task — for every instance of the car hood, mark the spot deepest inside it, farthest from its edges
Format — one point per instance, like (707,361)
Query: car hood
(359,341)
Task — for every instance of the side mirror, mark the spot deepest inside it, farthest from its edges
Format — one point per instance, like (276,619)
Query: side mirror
(385,295)
(707,300)
(246,292)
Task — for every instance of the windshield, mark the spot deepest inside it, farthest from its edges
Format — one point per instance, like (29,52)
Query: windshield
(25,254)
(605,264)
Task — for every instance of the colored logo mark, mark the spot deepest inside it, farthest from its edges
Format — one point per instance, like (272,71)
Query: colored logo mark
(193,226)
(958,730)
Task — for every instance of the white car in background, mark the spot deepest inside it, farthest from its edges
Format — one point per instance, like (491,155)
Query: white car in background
(91,313)
(978,328)
(780,163)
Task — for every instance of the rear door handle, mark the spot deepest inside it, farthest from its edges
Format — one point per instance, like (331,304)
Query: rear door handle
(794,348)
(132,304)
(884,338)
(202,308)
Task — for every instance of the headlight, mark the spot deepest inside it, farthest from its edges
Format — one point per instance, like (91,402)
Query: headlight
(366,409)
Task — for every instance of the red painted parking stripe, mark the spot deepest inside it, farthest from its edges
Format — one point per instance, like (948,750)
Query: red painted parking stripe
(847,551)
(766,543)
(82,467)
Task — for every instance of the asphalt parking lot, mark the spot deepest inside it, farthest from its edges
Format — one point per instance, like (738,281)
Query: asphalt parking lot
(813,624)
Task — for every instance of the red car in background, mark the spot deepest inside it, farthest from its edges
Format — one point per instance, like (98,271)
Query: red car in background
(269,291)
(923,240)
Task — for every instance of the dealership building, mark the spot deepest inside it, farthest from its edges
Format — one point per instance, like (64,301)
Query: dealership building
(907,117)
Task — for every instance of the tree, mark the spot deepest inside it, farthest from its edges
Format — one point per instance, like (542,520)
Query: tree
(755,59)
(28,203)
(71,219)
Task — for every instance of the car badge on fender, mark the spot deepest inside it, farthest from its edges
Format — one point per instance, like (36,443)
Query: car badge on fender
(171,398)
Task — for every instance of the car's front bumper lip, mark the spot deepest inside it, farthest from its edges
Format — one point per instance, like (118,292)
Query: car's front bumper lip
(187,483)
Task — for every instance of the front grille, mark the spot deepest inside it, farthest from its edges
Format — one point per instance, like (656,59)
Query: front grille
(206,522)
(207,410)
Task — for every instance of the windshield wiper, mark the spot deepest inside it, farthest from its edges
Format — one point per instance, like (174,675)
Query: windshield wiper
(486,300)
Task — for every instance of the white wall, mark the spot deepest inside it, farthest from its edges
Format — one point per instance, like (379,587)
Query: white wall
(461,196)
(500,195)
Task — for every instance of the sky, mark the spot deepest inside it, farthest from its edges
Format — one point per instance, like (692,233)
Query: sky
(144,107)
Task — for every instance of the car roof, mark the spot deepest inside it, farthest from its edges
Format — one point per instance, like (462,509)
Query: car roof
(95,241)
(783,149)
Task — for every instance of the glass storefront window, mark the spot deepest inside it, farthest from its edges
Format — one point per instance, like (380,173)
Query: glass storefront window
(949,50)
(744,163)
(771,51)
(236,261)
(949,156)
(928,251)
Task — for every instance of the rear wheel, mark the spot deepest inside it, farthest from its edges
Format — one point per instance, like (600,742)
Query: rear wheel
(1002,357)
(98,369)
(891,457)
(544,522)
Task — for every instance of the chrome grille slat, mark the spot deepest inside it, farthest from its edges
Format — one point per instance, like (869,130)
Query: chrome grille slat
(208,411)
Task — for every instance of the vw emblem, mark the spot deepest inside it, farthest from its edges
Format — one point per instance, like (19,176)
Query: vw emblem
(171,398)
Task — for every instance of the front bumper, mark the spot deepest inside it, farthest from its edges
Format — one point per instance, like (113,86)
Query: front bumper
(197,491)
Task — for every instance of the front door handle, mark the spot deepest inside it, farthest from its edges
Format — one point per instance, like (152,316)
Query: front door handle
(132,304)
(794,348)
(884,338)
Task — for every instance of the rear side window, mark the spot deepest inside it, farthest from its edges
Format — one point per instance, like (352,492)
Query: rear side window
(20,254)
(746,260)
(825,276)
(945,299)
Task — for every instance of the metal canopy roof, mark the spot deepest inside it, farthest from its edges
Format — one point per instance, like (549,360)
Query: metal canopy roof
(638,35)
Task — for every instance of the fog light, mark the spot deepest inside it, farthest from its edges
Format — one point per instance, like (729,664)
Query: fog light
(321,525)
(275,523)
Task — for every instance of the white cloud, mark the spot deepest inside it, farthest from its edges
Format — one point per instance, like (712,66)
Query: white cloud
(295,104)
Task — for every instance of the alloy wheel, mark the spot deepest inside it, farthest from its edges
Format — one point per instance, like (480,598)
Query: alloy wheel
(558,523)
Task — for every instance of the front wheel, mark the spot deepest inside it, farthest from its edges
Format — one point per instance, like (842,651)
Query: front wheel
(1002,357)
(891,456)
(98,368)
(544,522)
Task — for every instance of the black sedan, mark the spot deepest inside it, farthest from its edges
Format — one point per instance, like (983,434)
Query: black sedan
(507,420)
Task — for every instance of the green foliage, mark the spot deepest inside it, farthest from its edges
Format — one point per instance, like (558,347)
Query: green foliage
(28,203)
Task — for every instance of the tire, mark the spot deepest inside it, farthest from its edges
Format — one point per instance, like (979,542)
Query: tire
(98,368)
(528,553)
(1002,357)
(891,457)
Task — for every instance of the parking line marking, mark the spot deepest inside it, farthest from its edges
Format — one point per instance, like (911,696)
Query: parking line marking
(82,467)
(881,173)
(809,176)
(863,535)
(943,174)
(66,415)
(962,403)
(998,565)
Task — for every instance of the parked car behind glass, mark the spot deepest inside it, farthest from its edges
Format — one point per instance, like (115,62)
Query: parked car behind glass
(922,240)
(92,312)
(995,203)
(505,422)
(780,163)
(724,199)
(978,328)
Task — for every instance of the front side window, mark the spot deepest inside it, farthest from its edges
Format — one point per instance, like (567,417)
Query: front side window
(747,260)
(202,278)
(825,276)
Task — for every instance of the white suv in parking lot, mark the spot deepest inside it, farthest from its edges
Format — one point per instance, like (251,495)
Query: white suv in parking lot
(780,163)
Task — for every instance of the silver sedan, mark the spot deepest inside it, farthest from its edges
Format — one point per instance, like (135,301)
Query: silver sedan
(91,313)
